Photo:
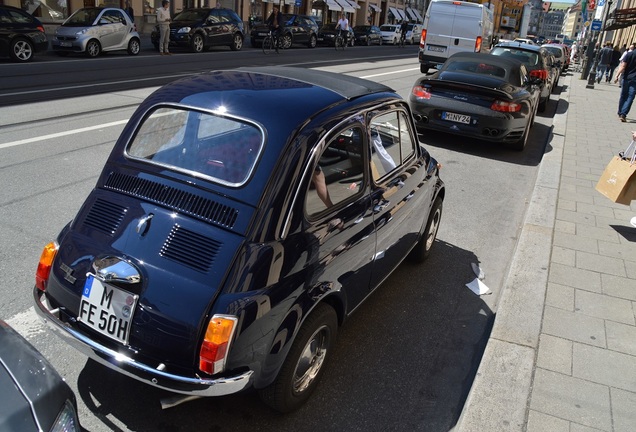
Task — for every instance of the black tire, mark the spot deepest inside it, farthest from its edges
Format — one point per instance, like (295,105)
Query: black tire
(134,46)
(313,41)
(521,143)
(368,41)
(156,45)
(237,42)
(267,45)
(543,104)
(93,48)
(307,356)
(21,50)
(197,44)
(380,43)
(424,67)
(422,249)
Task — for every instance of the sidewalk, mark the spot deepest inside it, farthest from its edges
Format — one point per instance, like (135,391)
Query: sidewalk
(562,353)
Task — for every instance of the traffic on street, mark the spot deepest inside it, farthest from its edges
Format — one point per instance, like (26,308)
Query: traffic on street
(406,357)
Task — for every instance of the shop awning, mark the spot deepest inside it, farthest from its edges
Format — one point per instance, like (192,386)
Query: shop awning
(411,14)
(353,4)
(419,15)
(621,18)
(332,5)
(396,13)
(374,7)
(344,5)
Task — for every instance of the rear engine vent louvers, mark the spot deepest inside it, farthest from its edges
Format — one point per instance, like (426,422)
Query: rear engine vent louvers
(105,216)
(184,202)
(190,249)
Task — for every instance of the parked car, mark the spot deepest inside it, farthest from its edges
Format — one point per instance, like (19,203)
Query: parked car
(297,29)
(327,35)
(560,53)
(525,41)
(224,244)
(538,61)
(34,396)
(413,34)
(478,96)
(203,28)
(21,35)
(367,35)
(95,30)
(390,33)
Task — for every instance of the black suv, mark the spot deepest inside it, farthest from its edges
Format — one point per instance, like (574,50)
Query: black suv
(297,29)
(202,28)
(21,35)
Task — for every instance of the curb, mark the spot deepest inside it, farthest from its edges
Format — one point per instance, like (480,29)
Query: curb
(500,394)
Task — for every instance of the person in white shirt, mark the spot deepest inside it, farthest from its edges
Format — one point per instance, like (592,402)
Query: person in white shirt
(163,18)
(343,24)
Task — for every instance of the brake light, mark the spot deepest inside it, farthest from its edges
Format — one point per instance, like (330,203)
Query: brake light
(423,39)
(41,28)
(421,92)
(478,44)
(216,343)
(44,266)
(504,106)
(539,73)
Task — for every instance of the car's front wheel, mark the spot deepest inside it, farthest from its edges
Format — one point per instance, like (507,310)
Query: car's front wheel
(196,44)
(237,42)
(304,365)
(422,249)
(21,50)
(286,41)
(134,46)
(93,48)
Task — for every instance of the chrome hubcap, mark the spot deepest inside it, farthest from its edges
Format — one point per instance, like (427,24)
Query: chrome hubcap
(311,360)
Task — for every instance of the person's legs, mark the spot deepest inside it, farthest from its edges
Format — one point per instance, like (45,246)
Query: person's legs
(628,92)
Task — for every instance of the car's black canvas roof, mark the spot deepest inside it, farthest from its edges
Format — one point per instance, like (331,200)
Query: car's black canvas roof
(346,86)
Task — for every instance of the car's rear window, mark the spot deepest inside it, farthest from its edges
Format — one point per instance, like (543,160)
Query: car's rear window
(476,68)
(555,51)
(206,144)
(527,57)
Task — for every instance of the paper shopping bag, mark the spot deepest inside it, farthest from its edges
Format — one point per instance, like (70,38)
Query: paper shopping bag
(618,181)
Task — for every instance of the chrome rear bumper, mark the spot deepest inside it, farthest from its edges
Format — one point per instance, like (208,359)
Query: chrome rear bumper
(153,376)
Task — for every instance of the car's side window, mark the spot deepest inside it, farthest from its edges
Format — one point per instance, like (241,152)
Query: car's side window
(214,17)
(339,173)
(391,143)
(113,16)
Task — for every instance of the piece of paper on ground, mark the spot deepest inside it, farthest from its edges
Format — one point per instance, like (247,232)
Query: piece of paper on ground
(478,287)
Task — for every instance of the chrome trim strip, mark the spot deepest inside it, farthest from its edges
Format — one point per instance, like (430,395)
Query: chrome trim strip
(133,369)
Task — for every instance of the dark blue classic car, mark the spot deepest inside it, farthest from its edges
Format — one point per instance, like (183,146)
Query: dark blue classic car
(224,243)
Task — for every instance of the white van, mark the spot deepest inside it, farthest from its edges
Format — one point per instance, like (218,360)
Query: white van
(454,26)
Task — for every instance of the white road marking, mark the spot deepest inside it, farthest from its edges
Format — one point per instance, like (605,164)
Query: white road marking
(61,134)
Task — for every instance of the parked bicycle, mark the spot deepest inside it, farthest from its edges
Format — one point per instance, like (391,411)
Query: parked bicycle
(341,41)
(271,42)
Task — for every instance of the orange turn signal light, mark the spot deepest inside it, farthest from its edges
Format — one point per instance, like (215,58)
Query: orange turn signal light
(216,343)
(44,266)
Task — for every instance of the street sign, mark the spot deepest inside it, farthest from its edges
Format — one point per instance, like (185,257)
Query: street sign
(596,25)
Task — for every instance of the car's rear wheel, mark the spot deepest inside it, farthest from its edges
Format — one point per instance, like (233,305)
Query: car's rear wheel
(304,365)
(93,48)
(196,44)
(368,41)
(134,46)
(543,104)
(21,50)
(521,144)
(380,42)
(237,42)
(422,249)
(424,67)
(313,41)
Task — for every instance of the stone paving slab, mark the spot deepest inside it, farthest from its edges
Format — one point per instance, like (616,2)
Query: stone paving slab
(583,368)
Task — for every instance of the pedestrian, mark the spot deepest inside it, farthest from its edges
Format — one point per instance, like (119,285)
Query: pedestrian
(604,59)
(163,18)
(129,10)
(627,74)
(616,57)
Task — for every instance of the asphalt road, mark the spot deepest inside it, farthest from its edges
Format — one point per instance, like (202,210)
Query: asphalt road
(403,362)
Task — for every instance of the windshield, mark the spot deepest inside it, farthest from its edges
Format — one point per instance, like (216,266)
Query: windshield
(83,17)
(191,15)
(388,28)
(221,148)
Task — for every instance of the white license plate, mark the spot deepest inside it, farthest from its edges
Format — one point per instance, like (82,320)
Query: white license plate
(107,309)
(262,34)
(436,48)
(458,118)
(66,44)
